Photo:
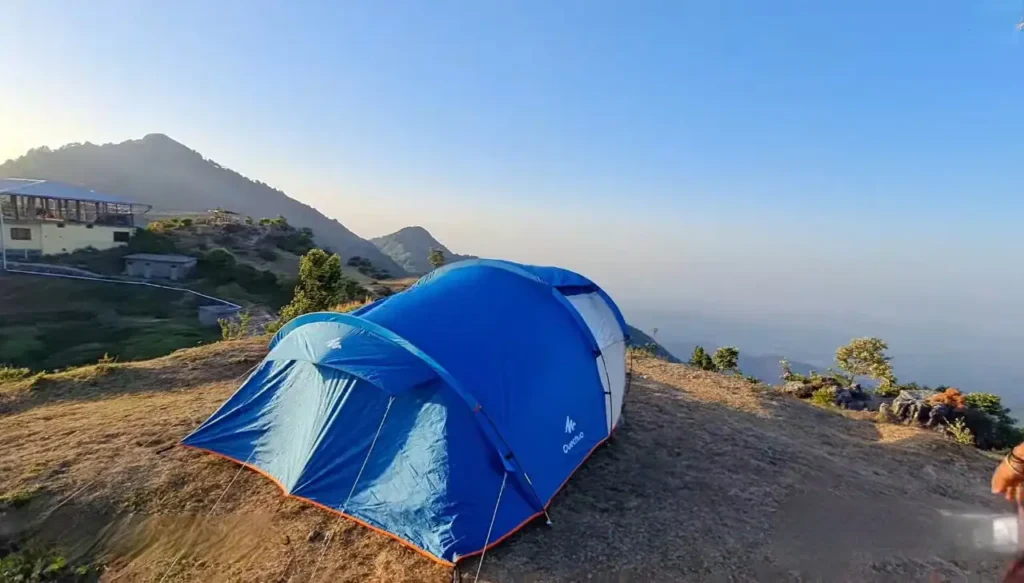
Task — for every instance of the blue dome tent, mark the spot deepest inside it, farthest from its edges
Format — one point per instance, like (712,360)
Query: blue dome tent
(446,416)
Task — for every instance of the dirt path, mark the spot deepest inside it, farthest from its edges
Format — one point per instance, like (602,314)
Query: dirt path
(709,479)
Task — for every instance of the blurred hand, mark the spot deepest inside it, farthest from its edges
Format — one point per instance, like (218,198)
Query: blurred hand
(1008,483)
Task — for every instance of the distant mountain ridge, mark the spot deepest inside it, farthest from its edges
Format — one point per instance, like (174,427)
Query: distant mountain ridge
(410,248)
(638,337)
(161,172)
(763,366)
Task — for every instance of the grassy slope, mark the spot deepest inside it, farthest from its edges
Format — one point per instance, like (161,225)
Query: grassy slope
(708,478)
(47,323)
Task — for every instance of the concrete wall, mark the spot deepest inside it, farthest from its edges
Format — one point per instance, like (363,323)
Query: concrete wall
(74,236)
(35,230)
(49,239)
(157,269)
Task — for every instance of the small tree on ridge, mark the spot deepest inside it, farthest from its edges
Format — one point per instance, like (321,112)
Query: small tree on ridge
(436,258)
(726,359)
(866,357)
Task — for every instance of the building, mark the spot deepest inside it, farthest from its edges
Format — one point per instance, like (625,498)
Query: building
(158,266)
(44,217)
(219,216)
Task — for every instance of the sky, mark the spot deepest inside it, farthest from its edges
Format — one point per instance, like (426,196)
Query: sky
(844,165)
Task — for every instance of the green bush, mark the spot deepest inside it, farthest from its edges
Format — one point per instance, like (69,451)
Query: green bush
(36,566)
(887,390)
(297,242)
(266,254)
(825,397)
(960,433)
(990,422)
(279,222)
(701,359)
(235,328)
(726,359)
(10,373)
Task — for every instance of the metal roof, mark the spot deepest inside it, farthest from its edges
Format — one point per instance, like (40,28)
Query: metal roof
(160,258)
(53,189)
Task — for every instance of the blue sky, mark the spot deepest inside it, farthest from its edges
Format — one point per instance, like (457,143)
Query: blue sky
(849,161)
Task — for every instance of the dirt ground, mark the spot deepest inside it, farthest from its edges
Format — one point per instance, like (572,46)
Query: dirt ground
(709,479)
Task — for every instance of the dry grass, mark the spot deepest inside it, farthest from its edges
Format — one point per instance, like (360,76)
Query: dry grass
(708,479)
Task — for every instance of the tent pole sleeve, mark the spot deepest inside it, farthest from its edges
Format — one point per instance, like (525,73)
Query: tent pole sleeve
(368,453)
(490,528)
(608,392)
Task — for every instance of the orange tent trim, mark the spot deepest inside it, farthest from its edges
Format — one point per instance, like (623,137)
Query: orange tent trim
(408,544)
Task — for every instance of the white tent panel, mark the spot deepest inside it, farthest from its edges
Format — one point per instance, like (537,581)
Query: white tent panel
(611,363)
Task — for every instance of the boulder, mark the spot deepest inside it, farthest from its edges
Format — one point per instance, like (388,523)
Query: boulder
(797,389)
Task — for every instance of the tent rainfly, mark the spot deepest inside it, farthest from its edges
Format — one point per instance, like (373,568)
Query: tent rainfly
(446,416)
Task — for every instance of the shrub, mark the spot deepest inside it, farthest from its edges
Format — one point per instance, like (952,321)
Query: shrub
(150,240)
(752,379)
(825,397)
(321,285)
(235,328)
(726,359)
(297,242)
(219,258)
(866,357)
(279,222)
(887,390)
(37,566)
(987,402)
(960,433)
(436,258)
(186,223)
(701,359)
(10,373)
(990,422)
(266,254)
(649,350)
(105,363)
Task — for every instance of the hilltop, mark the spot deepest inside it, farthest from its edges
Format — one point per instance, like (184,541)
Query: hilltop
(159,171)
(709,478)
(410,247)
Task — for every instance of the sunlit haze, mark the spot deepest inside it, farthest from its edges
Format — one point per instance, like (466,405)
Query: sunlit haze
(800,172)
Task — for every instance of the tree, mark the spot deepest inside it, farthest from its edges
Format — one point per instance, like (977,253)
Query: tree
(991,422)
(726,359)
(701,359)
(866,357)
(436,258)
(320,287)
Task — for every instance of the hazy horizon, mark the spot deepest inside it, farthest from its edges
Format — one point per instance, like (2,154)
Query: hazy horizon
(806,172)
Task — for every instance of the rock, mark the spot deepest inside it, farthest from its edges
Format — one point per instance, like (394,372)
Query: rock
(797,389)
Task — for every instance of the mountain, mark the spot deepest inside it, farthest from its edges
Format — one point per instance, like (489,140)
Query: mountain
(410,248)
(161,172)
(763,366)
(639,338)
